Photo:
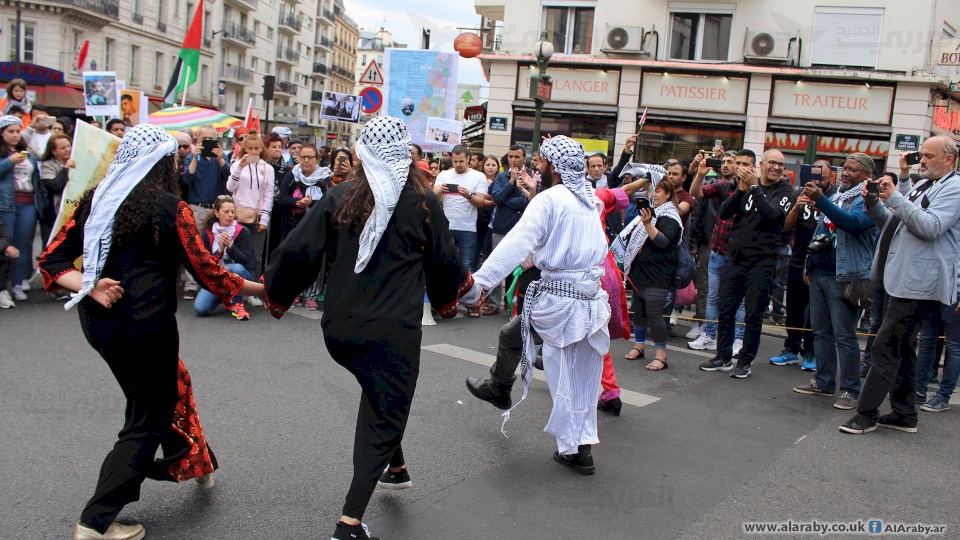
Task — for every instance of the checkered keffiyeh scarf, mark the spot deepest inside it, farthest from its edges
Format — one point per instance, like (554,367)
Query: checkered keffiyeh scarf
(141,148)
(645,170)
(384,150)
(567,157)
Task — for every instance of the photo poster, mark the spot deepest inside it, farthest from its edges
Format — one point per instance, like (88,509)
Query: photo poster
(340,107)
(420,85)
(443,133)
(100,94)
(132,103)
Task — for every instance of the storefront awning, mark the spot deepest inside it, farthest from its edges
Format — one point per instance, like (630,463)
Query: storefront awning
(877,131)
(60,97)
(574,108)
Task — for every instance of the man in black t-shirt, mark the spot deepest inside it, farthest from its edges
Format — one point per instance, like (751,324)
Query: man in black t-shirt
(802,220)
(758,208)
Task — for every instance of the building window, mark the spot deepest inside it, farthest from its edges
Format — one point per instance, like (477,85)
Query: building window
(569,28)
(236,101)
(158,70)
(134,65)
(204,78)
(269,32)
(846,36)
(161,11)
(189,16)
(253,63)
(700,36)
(27,42)
(108,45)
(256,28)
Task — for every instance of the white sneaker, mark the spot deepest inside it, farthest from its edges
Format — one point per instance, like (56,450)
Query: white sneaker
(205,481)
(25,286)
(695,331)
(116,531)
(253,301)
(703,343)
(737,345)
(18,294)
(6,302)
(673,319)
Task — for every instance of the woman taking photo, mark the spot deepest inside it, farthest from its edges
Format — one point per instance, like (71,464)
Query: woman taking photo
(21,200)
(230,244)
(134,234)
(273,154)
(490,167)
(651,253)
(342,164)
(251,185)
(55,165)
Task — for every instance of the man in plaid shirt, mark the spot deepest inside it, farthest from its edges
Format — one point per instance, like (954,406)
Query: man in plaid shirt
(720,191)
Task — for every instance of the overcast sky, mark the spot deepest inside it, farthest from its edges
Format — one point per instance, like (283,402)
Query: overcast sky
(406,19)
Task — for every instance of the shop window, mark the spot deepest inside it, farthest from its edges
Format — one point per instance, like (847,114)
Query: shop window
(700,36)
(570,29)
(847,36)
(662,141)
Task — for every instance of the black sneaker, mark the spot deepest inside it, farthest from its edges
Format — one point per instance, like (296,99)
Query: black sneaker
(485,390)
(395,480)
(352,532)
(812,389)
(716,364)
(859,425)
(892,421)
(742,371)
(582,461)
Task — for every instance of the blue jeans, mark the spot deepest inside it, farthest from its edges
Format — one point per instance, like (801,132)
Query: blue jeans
(834,324)
(22,226)
(206,303)
(714,269)
(927,348)
(466,242)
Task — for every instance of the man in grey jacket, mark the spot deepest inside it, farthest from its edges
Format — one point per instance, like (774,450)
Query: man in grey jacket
(917,258)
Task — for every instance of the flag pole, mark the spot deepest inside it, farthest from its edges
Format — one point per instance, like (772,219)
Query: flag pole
(183,102)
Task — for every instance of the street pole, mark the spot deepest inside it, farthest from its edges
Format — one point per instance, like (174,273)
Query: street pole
(19,55)
(537,116)
(544,52)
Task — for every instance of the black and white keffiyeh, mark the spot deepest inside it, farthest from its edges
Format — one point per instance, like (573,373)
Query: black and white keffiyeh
(567,157)
(627,244)
(842,196)
(384,150)
(141,148)
(645,170)
(311,180)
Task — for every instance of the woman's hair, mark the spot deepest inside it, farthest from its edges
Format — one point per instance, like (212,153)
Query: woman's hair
(5,150)
(141,208)
(358,203)
(483,163)
(271,138)
(333,156)
(212,216)
(668,188)
(67,124)
(14,84)
(52,146)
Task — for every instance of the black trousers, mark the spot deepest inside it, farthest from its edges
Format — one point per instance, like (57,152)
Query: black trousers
(798,313)
(894,369)
(143,359)
(387,371)
(6,267)
(750,284)
(509,353)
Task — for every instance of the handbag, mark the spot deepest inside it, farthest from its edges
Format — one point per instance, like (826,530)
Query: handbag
(247,215)
(687,295)
(859,293)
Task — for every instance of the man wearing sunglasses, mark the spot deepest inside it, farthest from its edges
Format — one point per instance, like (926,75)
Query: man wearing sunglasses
(205,175)
(758,208)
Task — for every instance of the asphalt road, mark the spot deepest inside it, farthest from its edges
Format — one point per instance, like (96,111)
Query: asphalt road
(694,456)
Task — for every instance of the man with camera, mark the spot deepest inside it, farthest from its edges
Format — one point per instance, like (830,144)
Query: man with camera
(838,274)
(917,260)
(511,197)
(205,175)
(758,208)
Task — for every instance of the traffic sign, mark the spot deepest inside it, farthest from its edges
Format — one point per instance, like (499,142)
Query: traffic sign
(372,75)
(370,99)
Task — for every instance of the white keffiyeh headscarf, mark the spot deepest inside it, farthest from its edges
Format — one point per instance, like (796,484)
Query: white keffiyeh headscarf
(627,244)
(567,157)
(318,174)
(384,150)
(141,148)
(645,170)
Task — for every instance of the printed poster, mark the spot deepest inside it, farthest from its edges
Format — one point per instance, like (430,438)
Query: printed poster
(420,85)
(100,93)
(443,133)
(340,107)
(132,103)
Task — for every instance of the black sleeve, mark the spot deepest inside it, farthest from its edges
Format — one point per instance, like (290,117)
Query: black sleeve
(242,251)
(773,211)
(731,206)
(58,182)
(298,261)
(624,159)
(669,233)
(286,188)
(447,277)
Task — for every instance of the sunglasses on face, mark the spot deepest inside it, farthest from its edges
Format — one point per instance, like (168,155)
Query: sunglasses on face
(240,139)
(184,146)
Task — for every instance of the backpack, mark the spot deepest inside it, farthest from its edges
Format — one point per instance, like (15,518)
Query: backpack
(686,266)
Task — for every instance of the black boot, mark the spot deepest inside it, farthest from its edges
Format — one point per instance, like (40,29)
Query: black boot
(582,461)
(613,406)
(487,391)
(352,532)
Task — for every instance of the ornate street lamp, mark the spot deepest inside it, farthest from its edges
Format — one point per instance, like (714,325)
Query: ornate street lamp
(541,84)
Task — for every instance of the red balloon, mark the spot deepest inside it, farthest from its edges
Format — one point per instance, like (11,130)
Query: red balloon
(468,45)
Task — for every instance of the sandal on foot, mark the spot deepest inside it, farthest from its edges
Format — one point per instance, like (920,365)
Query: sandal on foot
(473,313)
(631,356)
(657,365)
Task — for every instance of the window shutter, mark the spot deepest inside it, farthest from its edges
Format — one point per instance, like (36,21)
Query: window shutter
(847,36)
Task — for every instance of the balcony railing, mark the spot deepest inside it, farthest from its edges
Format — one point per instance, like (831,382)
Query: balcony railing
(337,70)
(316,95)
(319,68)
(138,18)
(104,7)
(249,4)
(324,41)
(291,21)
(327,14)
(238,33)
(288,54)
(236,73)
(287,87)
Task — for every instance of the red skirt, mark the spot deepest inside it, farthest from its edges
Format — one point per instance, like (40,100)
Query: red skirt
(199,459)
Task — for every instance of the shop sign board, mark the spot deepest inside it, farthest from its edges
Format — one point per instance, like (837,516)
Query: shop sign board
(949,54)
(498,123)
(907,143)
(947,117)
(694,93)
(591,86)
(832,102)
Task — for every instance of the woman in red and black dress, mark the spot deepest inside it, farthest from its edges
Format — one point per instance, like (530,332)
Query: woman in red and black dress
(134,234)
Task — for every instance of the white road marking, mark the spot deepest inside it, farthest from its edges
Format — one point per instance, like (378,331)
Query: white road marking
(627,396)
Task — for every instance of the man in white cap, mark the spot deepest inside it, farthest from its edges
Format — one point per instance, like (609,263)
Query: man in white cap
(566,308)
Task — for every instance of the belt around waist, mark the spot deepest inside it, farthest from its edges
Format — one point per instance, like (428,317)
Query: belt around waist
(208,206)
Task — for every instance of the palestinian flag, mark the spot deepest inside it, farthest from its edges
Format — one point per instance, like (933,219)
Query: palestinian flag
(188,61)
(643,119)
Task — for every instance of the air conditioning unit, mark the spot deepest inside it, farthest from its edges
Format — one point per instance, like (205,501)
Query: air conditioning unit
(767,46)
(623,40)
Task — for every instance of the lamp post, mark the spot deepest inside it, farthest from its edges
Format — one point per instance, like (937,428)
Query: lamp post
(541,84)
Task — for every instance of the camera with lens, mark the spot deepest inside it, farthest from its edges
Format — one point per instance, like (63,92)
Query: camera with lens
(819,243)
(641,201)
